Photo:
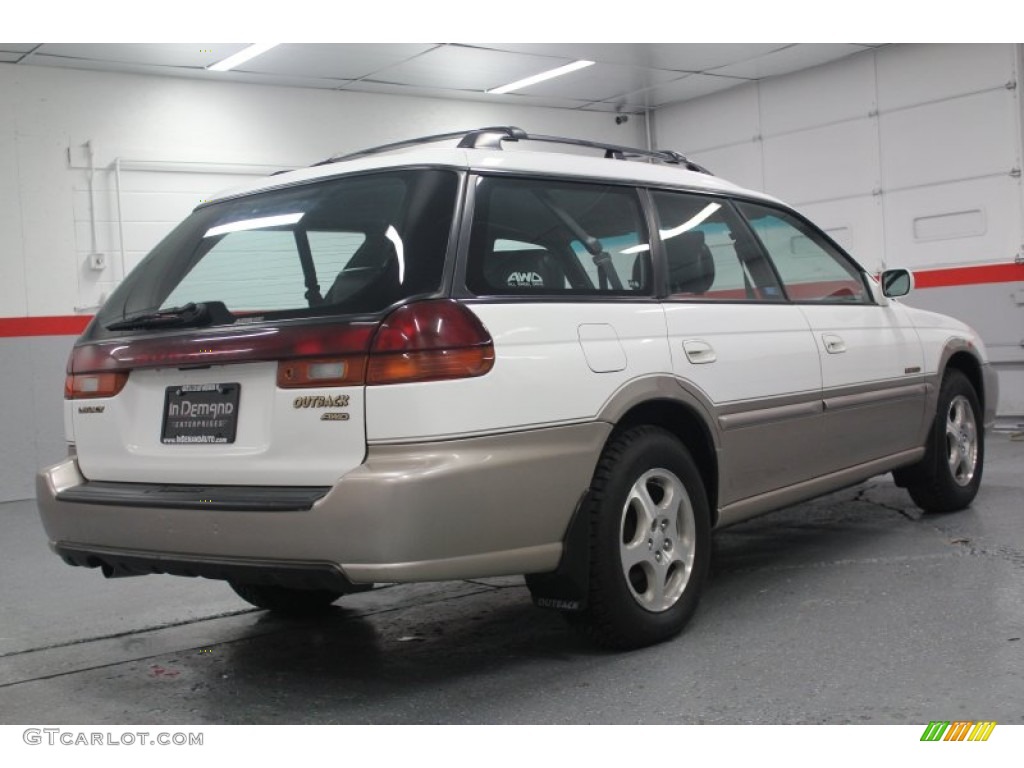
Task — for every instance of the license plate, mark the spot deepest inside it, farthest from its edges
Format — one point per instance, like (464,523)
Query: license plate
(200,414)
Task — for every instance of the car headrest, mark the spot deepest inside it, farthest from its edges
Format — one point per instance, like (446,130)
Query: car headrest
(691,267)
(641,271)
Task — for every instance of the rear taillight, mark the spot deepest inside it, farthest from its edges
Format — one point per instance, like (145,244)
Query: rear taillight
(430,341)
(424,341)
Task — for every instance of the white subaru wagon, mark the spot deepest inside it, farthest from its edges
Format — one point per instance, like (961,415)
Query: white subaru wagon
(423,362)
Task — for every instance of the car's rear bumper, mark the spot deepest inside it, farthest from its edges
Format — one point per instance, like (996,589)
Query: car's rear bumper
(483,506)
(116,563)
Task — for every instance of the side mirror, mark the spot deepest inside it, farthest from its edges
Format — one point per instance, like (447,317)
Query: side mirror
(897,282)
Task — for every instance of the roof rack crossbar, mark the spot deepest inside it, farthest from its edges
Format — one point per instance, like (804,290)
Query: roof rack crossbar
(493,136)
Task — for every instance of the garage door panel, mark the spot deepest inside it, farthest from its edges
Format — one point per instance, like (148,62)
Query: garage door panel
(724,118)
(840,90)
(958,223)
(961,138)
(915,74)
(806,166)
(740,163)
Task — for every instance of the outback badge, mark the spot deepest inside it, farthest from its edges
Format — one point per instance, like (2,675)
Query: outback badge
(321,401)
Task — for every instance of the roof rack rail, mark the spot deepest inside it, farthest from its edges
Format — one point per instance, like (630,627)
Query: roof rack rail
(493,136)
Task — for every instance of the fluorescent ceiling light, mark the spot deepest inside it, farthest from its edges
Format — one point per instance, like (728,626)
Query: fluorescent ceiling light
(636,248)
(260,223)
(241,57)
(396,240)
(534,79)
(686,226)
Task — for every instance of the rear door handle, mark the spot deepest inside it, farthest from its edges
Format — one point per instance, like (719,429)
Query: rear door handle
(699,351)
(834,345)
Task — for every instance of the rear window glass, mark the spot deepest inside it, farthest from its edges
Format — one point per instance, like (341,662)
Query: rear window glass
(353,245)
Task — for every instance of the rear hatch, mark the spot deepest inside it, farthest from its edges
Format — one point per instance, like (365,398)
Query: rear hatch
(237,351)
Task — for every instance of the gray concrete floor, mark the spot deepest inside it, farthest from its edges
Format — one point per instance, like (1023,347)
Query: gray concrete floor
(853,608)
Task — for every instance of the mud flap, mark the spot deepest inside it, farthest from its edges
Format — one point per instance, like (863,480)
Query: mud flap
(566,588)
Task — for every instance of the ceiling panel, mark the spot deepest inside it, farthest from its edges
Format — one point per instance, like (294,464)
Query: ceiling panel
(153,54)
(467,68)
(789,60)
(600,82)
(255,78)
(689,87)
(18,47)
(628,76)
(341,61)
(611,106)
(194,73)
(686,57)
(506,100)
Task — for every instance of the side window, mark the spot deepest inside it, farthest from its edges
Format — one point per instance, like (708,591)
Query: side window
(709,252)
(537,237)
(810,268)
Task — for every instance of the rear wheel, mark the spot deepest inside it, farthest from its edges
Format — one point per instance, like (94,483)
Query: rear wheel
(284,600)
(948,477)
(650,540)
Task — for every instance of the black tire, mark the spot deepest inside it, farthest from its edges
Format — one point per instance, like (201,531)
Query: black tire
(284,600)
(948,477)
(625,608)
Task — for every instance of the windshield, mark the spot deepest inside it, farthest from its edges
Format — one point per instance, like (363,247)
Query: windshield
(352,245)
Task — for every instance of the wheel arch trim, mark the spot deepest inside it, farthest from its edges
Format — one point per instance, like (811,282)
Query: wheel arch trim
(960,353)
(626,408)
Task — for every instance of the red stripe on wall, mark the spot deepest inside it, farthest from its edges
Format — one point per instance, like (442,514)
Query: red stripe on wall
(59,325)
(73,325)
(985,273)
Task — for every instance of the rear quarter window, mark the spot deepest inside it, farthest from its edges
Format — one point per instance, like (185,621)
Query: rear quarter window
(547,237)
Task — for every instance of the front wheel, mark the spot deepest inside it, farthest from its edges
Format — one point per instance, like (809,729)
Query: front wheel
(948,477)
(284,600)
(650,540)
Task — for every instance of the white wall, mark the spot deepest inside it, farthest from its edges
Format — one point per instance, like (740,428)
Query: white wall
(46,233)
(908,155)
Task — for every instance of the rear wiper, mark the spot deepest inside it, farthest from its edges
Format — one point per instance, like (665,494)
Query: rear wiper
(191,314)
